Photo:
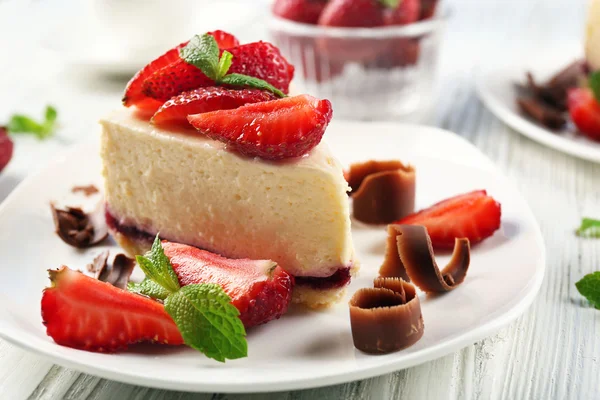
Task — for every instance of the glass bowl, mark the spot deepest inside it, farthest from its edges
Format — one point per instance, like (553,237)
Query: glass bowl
(367,73)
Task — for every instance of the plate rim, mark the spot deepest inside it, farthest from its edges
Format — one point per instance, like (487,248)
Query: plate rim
(428,354)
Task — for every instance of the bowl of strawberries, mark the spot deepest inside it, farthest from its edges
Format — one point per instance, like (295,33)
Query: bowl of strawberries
(374,59)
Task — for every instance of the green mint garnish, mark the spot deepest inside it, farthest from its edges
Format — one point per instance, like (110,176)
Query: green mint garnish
(203,53)
(207,320)
(589,228)
(20,123)
(595,84)
(149,288)
(589,287)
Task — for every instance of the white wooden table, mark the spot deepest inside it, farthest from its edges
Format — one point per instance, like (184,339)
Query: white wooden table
(553,351)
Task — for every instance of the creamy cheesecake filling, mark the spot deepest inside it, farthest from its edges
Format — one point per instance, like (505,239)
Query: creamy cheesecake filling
(340,278)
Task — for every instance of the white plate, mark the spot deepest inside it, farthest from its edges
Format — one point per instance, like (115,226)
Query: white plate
(303,349)
(496,88)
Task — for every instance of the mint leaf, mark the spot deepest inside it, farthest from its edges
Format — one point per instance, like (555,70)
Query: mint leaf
(589,287)
(20,123)
(149,288)
(157,267)
(251,82)
(208,321)
(589,228)
(202,52)
(594,82)
(224,64)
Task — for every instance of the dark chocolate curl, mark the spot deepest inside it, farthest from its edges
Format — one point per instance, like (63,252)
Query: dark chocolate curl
(116,274)
(416,255)
(392,266)
(80,229)
(382,191)
(547,116)
(383,319)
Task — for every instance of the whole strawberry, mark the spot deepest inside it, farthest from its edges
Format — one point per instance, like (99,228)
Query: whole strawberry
(305,11)
(6,148)
(352,13)
(403,13)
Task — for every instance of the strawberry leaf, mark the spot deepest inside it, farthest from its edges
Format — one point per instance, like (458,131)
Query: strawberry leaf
(203,53)
(149,288)
(251,82)
(589,228)
(224,64)
(589,287)
(208,322)
(157,267)
(595,84)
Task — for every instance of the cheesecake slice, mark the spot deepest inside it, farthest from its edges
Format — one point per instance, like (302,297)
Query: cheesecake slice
(195,191)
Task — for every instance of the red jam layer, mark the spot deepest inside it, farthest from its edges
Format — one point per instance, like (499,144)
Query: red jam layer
(339,279)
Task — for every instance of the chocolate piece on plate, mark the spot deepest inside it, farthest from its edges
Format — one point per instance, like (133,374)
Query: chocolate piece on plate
(117,274)
(382,191)
(87,190)
(78,228)
(541,112)
(386,318)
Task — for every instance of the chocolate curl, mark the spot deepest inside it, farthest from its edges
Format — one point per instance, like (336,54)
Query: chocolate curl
(116,274)
(78,228)
(382,191)
(392,267)
(542,113)
(387,317)
(418,262)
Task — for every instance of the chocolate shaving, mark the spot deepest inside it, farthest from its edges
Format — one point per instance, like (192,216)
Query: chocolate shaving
(116,274)
(416,257)
(392,267)
(88,190)
(542,113)
(386,318)
(79,229)
(382,191)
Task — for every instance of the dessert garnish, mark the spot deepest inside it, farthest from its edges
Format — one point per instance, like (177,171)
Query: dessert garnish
(416,257)
(392,267)
(584,107)
(271,130)
(87,190)
(386,318)
(382,191)
(20,123)
(198,315)
(6,148)
(260,289)
(473,215)
(589,287)
(78,228)
(541,112)
(589,228)
(117,274)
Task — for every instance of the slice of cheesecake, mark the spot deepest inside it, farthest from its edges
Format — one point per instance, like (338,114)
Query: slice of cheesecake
(193,190)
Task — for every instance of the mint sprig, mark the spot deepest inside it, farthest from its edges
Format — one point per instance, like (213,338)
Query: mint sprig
(203,313)
(589,287)
(589,228)
(594,82)
(20,123)
(203,53)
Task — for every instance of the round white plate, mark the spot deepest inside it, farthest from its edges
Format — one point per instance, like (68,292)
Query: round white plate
(304,348)
(496,88)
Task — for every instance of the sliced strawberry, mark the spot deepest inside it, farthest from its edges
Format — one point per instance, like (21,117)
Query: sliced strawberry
(224,40)
(271,130)
(585,112)
(304,11)
(261,60)
(6,148)
(473,215)
(84,313)
(407,12)
(133,92)
(201,100)
(259,289)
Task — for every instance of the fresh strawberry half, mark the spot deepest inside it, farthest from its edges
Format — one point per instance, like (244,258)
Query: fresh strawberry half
(585,112)
(260,60)
(407,12)
(259,289)
(133,92)
(201,100)
(271,130)
(305,11)
(84,313)
(473,215)
(6,148)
